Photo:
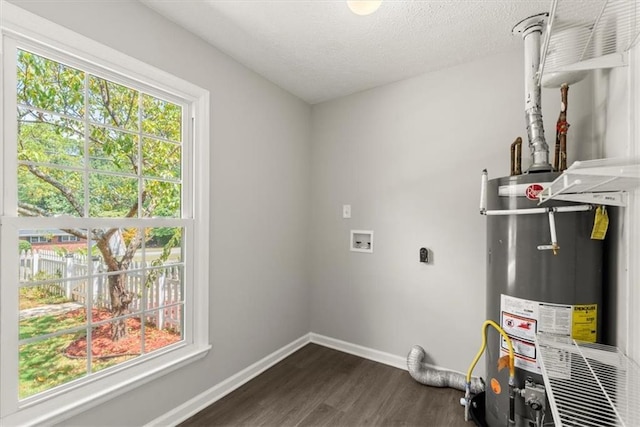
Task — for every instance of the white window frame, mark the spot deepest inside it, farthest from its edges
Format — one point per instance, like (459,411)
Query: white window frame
(20,28)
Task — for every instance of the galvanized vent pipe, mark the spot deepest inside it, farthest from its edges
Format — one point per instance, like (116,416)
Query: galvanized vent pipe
(531,30)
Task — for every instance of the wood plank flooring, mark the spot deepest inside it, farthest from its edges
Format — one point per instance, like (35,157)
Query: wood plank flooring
(318,386)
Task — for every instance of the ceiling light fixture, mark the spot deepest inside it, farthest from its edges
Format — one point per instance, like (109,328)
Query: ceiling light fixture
(363,7)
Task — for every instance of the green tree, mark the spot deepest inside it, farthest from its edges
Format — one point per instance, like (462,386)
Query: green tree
(91,147)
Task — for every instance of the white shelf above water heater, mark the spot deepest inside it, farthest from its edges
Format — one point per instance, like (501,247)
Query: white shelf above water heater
(589,384)
(595,34)
(601,182)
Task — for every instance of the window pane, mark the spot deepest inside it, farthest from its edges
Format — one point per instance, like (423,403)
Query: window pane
(127,288)
(53,253)
(49,85)
(113,104)
(44,309)
(161,159)
(162,328)
(112,196)
(44,191)
(47,138)
(161,118)
(113,243)
(164,246)
(105,352)
(164,287)
(163,199)
(46,363)
(113,151)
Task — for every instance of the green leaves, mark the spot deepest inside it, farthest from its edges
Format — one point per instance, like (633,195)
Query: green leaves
(112,150)
(161,159)
(111,196)
(161,118)
(50,85)
(49,139)
(113,104)
(39,190)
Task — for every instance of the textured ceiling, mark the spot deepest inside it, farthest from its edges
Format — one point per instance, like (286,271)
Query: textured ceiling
(319,49)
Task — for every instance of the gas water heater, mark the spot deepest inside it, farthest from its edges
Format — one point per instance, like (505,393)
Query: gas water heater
(532,289)
(544,272)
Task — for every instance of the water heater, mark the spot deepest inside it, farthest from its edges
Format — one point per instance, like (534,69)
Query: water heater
(533,288)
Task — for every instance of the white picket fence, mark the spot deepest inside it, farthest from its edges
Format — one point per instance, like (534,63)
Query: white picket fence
(73,270)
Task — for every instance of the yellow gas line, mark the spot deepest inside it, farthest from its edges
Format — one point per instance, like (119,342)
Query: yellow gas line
(512,370)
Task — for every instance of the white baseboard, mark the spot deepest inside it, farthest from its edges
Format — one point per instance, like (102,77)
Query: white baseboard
(217,392)
(358,350)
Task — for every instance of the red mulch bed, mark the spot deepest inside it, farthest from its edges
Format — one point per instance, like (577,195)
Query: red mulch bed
(103,347)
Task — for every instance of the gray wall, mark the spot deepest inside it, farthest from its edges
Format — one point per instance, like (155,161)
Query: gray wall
(408,158)
(259,295)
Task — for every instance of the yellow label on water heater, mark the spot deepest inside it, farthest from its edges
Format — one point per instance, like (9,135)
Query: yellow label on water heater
(600,224)
(584,322)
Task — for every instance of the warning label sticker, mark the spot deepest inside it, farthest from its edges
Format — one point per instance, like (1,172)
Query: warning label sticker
(521,319)
(518,326)
(555,319)
(559,365)
(584,322)
(520,348)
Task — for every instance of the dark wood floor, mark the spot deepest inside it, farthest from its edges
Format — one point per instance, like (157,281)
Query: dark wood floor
(318,386)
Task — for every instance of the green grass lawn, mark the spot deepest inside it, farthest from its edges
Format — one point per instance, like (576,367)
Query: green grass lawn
(36,296)
(42,364)
(42,325)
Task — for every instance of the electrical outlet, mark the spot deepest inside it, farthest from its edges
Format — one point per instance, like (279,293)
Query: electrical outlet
(346,211)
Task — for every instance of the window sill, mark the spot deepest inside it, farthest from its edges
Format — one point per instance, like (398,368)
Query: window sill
(56,409)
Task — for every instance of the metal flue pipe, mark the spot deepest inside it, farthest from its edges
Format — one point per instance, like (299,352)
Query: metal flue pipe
(531,29)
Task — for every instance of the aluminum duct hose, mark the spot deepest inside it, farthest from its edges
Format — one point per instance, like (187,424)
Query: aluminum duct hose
(428,375)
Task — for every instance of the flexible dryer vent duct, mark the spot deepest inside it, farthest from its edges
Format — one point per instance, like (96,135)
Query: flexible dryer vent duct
(531,30)
(428,375)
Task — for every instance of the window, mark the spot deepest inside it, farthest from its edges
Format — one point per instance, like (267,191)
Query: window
(39,239)
(106,150)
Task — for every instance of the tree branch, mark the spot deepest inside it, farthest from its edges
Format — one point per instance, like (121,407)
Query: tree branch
(66,192)
(132,247)
(27,209)
(106,98)
(107,255)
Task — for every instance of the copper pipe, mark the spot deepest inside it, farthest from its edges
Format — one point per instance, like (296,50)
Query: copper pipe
(516,157)
(560,159)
